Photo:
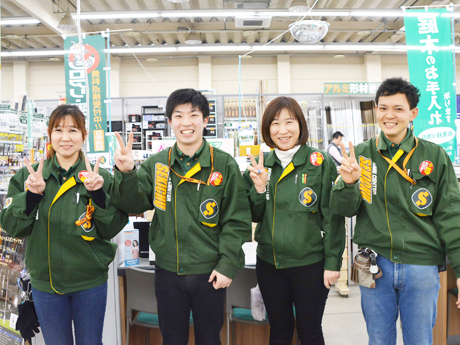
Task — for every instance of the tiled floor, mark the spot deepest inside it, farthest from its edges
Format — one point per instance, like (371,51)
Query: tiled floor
(343,322)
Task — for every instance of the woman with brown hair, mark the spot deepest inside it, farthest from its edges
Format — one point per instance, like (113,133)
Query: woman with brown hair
(300,241)
(62,206)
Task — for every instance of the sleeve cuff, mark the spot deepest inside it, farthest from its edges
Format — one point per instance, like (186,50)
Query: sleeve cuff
(98,197)
(32,200)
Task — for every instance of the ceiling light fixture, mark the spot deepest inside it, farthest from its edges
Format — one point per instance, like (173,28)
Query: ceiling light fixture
(67,23)
(299,6)
(54,59)
(193,38)
(309,31)
(339,56)
(151,60)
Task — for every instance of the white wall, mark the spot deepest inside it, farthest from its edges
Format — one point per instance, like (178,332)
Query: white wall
(308,74)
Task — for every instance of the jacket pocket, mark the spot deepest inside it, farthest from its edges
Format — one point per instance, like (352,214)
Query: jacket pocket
(209,207)
(421,197)
(308,191)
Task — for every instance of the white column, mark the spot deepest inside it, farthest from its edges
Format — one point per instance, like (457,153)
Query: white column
(204,73)
(115,64)
(373,65)
(20,78)
(284,74)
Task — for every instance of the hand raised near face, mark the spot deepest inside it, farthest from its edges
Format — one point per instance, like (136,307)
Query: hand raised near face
(350,169)
(124,158)
(258,173)
(35,182)
(94,181)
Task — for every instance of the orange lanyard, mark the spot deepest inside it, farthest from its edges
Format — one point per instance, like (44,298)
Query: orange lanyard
(190,179)
(398,169)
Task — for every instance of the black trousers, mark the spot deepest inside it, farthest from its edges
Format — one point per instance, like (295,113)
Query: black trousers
(176,296)
(302,287)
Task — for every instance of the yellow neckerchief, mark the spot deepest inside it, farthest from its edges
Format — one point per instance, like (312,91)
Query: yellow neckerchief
(397,155)
(189,179)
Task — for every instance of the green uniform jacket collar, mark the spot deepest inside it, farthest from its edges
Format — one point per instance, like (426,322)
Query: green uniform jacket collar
(204,158)
(406,145)
(50,168)
(299,158)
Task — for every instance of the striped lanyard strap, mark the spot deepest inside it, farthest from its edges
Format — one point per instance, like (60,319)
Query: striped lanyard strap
(190,179)
(398,154)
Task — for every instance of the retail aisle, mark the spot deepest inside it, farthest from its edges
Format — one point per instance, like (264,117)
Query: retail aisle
(343,322)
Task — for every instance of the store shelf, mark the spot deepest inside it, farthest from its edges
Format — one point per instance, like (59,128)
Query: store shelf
(10,142)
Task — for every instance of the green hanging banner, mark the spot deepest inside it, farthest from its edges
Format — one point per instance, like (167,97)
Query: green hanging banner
(93,49)
(431,69)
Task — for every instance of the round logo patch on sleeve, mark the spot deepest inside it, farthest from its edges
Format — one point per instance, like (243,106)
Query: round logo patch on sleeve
(422,198)
(216,178)
(83,175)
(209,208)
(307,197)
(426,168)
(316,158)
(8,202)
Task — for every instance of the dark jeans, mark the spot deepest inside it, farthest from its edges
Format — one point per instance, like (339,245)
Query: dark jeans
(302,286)
(176,296)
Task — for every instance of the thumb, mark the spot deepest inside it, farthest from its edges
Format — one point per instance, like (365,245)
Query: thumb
(212,276)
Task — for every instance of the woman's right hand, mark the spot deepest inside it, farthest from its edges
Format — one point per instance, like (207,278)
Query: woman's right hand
(124,158)
(350,169)
(258,173)
(35,182)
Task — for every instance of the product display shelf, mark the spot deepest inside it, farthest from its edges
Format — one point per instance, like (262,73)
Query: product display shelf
(155,124)
(211,128)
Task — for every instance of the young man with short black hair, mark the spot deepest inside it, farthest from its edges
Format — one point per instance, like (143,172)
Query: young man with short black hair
(407,204)
(201,220)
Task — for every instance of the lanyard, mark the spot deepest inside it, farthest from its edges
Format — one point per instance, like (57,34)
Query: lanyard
(395,159)
(190,179)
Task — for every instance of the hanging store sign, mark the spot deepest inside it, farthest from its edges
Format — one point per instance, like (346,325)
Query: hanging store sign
(350,88)
(95,59)
(431,70)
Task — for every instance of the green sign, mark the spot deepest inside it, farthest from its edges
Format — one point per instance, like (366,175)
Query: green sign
(350,88)
(95,58)
(431,69)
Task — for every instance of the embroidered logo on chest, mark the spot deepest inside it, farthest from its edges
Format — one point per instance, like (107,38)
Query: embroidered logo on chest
(422,198)
(209,208)
(307,197)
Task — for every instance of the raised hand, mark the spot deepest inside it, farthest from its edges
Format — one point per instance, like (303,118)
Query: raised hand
(258,173)
(94,181)
(124,158)
(35,182)
(350,169)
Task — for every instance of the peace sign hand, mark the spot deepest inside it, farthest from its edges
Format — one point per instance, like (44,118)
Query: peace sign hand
(350,169)
(35,182)
(124,158)
(258,173)
(94,181)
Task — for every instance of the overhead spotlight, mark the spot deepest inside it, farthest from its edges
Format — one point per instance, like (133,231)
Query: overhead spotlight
(299,6)
(193,38)
(339,56)
(179,1)
(309,31)
(67,23)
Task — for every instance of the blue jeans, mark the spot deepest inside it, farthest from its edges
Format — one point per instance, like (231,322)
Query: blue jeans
(410,289)
(86,308)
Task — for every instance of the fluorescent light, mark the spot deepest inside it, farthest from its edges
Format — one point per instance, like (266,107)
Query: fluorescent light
(311,13)
(118,15)
(371,47)
(34,53)
(142,50)
(19,21)
(216,48)
(284,47)
(211,13)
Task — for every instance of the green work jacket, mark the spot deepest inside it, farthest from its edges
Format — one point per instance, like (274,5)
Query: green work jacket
(63,257)
(296,226)
(411,224)
(196,228)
